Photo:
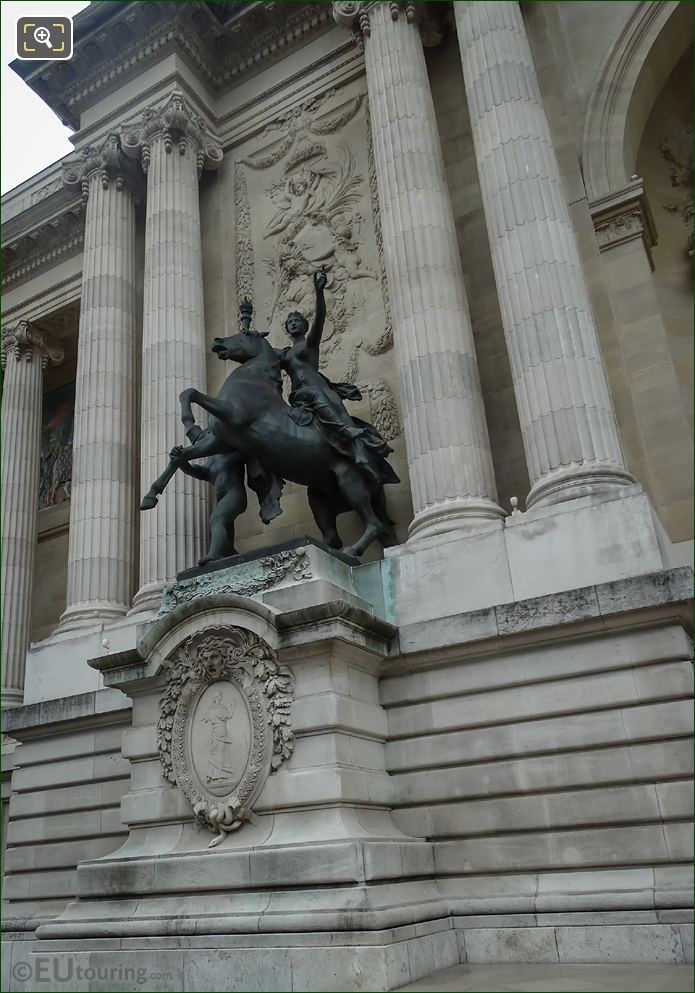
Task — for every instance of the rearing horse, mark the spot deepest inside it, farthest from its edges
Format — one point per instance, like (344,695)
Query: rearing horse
(250,416)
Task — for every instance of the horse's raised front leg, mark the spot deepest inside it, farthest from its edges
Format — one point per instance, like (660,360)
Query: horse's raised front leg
(207,445)
(218,408)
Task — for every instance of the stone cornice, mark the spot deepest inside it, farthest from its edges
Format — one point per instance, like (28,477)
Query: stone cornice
(26,342)
(622,217)
(44,258)
(34,242)
(31,193)
(113,42)
(38,306)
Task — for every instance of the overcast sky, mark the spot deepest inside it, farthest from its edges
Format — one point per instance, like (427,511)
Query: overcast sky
(32,135)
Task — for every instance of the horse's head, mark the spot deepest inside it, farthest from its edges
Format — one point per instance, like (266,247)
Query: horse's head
(241,347)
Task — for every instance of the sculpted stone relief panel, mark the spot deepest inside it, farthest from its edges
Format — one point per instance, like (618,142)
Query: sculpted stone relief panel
(305,198)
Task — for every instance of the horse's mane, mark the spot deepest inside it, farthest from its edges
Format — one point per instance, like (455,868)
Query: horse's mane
(270,369)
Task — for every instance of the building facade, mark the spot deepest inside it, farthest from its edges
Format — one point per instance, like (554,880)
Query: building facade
(489,728)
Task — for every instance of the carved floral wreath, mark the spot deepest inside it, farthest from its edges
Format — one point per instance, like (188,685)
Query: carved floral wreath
(241,657)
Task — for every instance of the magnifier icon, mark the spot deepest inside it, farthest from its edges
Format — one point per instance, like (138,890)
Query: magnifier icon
(43,36)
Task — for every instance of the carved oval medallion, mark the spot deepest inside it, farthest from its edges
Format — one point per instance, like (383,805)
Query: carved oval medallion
(225,723)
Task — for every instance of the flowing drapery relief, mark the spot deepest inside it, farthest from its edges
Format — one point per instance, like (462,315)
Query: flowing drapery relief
(305,199)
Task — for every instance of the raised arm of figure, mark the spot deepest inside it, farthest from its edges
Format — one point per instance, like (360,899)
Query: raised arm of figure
(316,330)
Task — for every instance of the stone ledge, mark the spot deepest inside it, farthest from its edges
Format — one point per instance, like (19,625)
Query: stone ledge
(336,620)
(99,706)
(305,541)
(578,943)
(589,603)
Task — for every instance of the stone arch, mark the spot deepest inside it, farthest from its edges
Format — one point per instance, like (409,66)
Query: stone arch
(631,77)
(214,610)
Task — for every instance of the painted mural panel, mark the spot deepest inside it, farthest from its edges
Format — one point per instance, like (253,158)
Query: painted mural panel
(56,445)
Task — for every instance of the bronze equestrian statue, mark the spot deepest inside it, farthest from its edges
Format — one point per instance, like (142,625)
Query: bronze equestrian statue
(314,442)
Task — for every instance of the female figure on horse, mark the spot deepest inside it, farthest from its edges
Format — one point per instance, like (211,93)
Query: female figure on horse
(315,398)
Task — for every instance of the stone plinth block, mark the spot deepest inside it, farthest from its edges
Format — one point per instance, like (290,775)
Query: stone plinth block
(259,803)
(547,550)
(288,576)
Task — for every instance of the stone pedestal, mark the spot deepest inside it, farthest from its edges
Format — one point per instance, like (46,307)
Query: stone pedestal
(320,801)
(25,353)
(289,865)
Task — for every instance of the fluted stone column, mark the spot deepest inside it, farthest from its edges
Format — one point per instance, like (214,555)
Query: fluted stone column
(102,507)
(174,145)
(447,444)
(567,419)
(25,354)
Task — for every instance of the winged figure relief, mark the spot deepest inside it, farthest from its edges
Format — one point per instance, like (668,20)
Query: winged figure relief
(315,225)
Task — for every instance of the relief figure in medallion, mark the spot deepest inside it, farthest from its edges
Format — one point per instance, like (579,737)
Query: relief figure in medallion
(221,740)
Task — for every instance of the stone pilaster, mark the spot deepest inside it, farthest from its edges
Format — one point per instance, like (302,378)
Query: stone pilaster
(101,549)
(25,354)
(447,444)
(567,419)
(174,146)
(623,217)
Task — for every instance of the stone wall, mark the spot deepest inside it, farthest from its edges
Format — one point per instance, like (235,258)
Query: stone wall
(552,771)
(665,161)
(67,784)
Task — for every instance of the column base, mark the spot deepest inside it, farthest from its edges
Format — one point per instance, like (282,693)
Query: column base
(148,599)
(572,482)
(82,616)
(11,698)
(549,549)
(453,515)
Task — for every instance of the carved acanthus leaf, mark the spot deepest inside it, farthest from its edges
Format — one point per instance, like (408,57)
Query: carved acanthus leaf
(383,411)
(105,160)
(355,17)
(244,243)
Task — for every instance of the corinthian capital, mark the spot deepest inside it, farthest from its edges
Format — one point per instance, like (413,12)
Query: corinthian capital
(178,125)
(105,159)
(27,343)
(355,16)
